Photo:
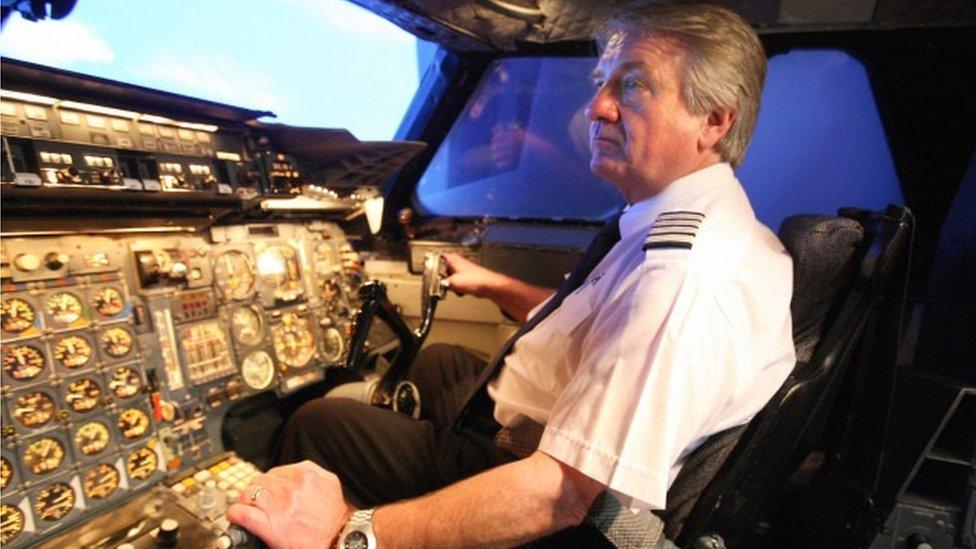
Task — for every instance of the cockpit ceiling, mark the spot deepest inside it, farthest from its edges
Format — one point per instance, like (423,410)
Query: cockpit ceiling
(511,25)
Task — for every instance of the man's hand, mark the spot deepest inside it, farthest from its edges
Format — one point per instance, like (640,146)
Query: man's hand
(468,278)
(293,506)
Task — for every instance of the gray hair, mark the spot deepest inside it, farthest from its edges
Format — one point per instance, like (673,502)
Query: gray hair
(724,65)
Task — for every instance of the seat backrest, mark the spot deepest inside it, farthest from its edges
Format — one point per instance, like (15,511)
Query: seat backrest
(831,301)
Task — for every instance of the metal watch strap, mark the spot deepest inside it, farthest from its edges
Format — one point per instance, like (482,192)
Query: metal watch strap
(361,522)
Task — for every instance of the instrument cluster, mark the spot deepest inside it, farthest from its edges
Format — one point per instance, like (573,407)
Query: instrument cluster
(120,354)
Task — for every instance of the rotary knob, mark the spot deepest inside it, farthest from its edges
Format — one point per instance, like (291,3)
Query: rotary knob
(27,262)
(56,260)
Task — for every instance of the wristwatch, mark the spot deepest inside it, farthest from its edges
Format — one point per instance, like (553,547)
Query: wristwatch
(358,533)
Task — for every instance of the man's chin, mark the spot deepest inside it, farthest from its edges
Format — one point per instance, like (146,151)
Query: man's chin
(606,169)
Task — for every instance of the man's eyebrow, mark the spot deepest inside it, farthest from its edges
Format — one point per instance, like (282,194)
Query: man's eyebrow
(597,73)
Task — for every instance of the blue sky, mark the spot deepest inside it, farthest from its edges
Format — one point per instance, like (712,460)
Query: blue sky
(325,63)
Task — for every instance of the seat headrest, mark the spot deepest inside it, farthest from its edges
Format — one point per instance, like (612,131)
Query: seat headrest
(824,251)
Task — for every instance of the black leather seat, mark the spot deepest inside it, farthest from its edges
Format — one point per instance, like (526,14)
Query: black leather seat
(841,267)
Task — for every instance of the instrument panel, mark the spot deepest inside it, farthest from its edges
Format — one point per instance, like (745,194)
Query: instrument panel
(121,354)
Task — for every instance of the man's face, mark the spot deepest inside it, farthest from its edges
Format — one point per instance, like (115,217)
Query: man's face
(642,135)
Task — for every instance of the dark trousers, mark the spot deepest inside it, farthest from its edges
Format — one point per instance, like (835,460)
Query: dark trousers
(382,456)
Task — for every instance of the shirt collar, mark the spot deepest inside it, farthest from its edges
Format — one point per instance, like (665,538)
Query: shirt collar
(680,192)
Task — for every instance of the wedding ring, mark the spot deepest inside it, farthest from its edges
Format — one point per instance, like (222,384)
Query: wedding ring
(254,496)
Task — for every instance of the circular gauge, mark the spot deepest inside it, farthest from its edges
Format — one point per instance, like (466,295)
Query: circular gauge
(258,370)
(23,362)
(72,351)
(6,473)
(142,463)
(124,382)
(43,455)
(54,502)
(83,395)
(116,342)
(293,341)
(246,324)
(34,409)
(326,258)
(16,315)
(280,265)
(64,308)
(234,274)
(92,437)
(108,301)
(133,423)
(11,523)
(329,290)
(101,482)
(334,345)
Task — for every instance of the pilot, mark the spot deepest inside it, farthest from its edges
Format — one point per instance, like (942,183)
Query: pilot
(674,326)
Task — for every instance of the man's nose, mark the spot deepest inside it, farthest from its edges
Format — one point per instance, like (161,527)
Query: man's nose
(602,107)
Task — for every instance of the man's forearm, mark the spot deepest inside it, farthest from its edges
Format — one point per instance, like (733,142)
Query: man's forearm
(517,298)
(505,506)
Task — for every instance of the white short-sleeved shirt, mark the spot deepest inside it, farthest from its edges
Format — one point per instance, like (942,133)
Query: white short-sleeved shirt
(659,349)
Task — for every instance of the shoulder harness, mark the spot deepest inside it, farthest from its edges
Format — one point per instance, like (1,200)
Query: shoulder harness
(674,230)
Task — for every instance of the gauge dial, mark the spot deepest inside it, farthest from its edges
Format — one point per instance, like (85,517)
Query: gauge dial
(6,473)
(234,274)
(133,423)
(258,370)
(72,351)
(11,523)
(83,395)
(54,502)
(116,342)
(293,341)
(280,265)
(334,345)
(142,463)
(247,325)
(16,315)
(92,437)
(23,362)
(101,482)
(64,308)
(43,455)
(329,290)
(125,382)
(108,301)
(34,409)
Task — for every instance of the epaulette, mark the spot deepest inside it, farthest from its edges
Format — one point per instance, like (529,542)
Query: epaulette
(674,230)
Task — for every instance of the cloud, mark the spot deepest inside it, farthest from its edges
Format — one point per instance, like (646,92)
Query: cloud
(50,42)
(214,77)
(344,15)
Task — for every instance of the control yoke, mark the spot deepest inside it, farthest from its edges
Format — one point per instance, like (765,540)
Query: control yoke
(391,391)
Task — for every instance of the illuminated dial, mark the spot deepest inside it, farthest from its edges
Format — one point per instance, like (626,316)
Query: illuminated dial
(64,308)
(83,395)
(16,315)
(54,502)
(23,362)
(101,482)
(6,473)
(43,455)
(11,523)
(234,274)
(293,341)
(258,370)
(116,342)
(334,345)
(108,301)
(34,409)
(133,423)
(92,437)
(246,325)
(72,351)
(330,292)
(142,463)
(125,382)
(280,265)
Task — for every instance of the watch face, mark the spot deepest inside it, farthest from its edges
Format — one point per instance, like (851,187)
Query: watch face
(355,540)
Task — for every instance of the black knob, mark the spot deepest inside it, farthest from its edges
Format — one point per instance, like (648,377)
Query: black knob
(918,540)
(169,532)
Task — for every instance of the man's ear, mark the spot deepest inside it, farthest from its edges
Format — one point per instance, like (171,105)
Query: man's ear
(717,123)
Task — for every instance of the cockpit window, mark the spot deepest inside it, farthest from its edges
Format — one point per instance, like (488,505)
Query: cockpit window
(316,63)
(519,149)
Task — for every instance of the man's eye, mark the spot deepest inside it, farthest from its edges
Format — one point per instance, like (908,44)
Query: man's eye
(629,84)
